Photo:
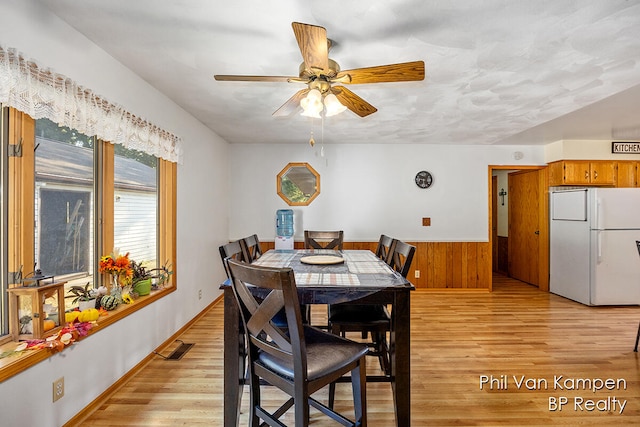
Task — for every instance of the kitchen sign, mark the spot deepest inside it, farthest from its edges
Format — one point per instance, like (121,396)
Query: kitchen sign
(625,147)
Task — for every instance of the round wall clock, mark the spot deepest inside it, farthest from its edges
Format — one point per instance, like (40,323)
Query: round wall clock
(424,179)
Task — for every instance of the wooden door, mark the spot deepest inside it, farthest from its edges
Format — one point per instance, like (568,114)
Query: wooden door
(524,226)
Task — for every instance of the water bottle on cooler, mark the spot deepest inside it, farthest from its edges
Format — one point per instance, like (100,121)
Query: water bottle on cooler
(284,223)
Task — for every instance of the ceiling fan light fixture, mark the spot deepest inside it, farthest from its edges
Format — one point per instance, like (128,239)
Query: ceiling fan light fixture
(312,104)
(333,106)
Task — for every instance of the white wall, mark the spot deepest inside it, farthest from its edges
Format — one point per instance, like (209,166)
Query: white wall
(91,366)
(503,210)
(367,190)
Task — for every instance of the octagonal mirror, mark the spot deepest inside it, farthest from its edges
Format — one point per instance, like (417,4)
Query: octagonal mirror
(298,184)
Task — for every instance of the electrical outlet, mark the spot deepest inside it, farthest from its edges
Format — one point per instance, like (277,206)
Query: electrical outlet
(200,294)
(417,274)
(58,389)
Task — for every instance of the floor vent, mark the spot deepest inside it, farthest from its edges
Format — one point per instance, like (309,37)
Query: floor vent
(178,352)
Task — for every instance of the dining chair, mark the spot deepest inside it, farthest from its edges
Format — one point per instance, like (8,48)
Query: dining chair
(401,257)
(373,319)
(298,359)
(251,247)
(323,239)
(384,248)
(231,250)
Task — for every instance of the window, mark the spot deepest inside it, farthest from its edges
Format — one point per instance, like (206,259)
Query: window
(63,204)
(69,198)
(135,205)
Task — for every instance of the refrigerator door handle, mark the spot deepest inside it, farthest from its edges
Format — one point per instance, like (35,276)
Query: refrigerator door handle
(599,246)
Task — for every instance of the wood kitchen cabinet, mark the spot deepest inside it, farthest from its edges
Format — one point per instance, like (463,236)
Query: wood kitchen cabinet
(582,172)
(627,175)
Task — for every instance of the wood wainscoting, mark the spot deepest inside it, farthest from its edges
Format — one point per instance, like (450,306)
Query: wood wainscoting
(442,265)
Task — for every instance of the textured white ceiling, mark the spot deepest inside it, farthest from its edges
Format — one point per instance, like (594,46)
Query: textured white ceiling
(497,71)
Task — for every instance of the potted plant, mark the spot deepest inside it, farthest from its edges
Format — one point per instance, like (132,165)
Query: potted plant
(141,280)
(160,275)
(84,296)
(144,279)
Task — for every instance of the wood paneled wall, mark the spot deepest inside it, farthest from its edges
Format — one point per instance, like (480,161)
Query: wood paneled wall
(442,265)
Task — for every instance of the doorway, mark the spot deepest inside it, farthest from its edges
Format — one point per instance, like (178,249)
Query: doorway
(528,252)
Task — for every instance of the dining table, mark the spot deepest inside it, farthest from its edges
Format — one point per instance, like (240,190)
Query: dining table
(357,277)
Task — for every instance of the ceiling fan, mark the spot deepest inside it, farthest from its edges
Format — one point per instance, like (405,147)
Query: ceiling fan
(320,72)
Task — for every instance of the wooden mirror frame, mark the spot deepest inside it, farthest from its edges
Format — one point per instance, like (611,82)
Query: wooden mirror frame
(306,198)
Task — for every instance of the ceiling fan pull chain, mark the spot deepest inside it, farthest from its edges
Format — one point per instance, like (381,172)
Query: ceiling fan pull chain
(322,136)
(312,142)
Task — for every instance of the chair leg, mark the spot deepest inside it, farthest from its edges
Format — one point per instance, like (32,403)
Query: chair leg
(382,350)
(637,339)
(254,400)
(301,404)
(335,330)
(332,394)
(359,387)
(385,356)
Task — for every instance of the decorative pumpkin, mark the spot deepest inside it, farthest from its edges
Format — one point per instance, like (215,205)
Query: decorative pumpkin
(109,302)
(48,324)
(89,315)
(71,316)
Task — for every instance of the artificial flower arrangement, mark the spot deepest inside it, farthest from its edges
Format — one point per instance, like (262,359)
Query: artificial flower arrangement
(127,274)
(121,270)
(118,266)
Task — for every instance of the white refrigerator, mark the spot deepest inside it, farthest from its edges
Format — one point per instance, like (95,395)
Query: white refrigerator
(594,254)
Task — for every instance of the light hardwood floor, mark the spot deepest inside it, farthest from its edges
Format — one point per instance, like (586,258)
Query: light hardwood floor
(516,331)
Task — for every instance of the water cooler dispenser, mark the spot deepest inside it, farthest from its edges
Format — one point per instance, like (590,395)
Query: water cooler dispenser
(284,229)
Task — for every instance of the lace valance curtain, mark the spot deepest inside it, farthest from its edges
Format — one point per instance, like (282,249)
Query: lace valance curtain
(41,93)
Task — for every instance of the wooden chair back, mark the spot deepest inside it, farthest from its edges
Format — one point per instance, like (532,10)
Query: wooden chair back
(323,239)
(251,247)
(401,257)
(272,289)
(232,250)
(385,248)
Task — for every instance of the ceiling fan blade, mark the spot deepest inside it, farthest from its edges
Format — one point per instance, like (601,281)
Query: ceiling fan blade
(292,104)
(353,101)
(404,72)
(312,41)
(231,78)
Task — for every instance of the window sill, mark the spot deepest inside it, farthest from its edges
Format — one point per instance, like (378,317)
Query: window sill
(13,365)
